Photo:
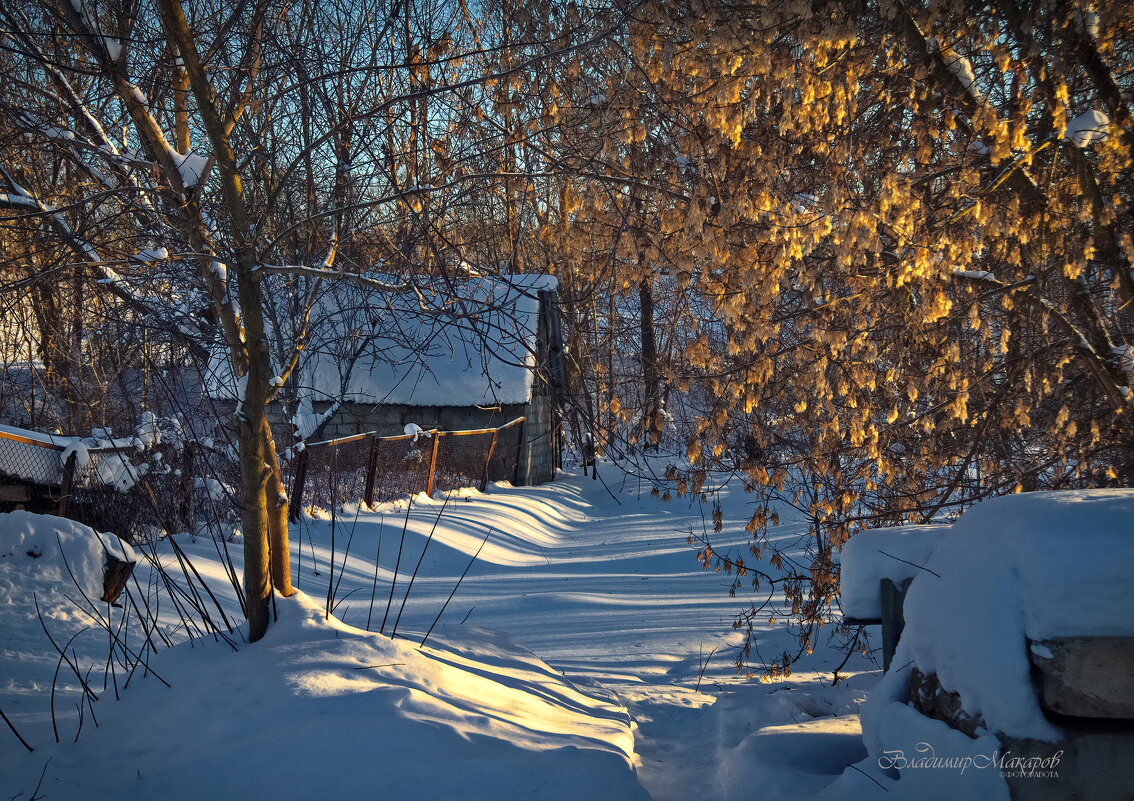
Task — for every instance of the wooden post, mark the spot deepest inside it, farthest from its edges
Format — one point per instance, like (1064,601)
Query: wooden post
(433,464)
(488,460)
(188,470)
(371,470)
(893,597)
(297,487)
(520,454)
(66,485)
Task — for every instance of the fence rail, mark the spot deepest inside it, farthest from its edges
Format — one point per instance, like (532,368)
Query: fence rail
(369,467)
(119,489)
(106,487)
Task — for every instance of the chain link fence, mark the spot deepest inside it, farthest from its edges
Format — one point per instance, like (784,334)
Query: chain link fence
(372,468)
(135,494)
(174,487)
(30,468)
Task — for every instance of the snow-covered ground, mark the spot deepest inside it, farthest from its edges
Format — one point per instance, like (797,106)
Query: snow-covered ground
(566,666)
(585,655)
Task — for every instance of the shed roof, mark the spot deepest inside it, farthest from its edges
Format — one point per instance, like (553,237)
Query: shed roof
(459,343)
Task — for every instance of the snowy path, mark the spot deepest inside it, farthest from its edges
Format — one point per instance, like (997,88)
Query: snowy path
(600,582)
(596,580)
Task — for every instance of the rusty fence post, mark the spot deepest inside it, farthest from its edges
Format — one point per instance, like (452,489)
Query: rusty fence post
(371,472)
(520,454)
(432,477)
(488,460)
(66,485)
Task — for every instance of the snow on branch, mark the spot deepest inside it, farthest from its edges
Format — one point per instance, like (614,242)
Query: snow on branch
(324,272)
(1088,127)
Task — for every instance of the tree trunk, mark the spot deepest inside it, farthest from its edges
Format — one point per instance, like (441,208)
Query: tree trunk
(254,512)
(278,507)
(651,411)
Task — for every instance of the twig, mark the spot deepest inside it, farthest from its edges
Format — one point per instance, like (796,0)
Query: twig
(397,565)
(19,737)
(704,666)
(62,653)
(35,793)
(377,558)
(867,775)
(417,567)
(454,592)
(911,564)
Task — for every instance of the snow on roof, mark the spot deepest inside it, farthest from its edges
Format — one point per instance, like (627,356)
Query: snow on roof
(466,343)
(1022,567)
(883,553)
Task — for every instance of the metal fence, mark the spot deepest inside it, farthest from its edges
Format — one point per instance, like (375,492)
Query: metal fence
(29,467)
(372,468)
(108,488)
(172,487)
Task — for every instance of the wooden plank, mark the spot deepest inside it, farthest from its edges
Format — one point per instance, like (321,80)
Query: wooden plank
(488,461)
(432,466)
(862,621)
(893,597)
(15,493)
(28,441)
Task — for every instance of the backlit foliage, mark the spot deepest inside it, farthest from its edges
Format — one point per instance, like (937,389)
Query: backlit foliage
(894,281)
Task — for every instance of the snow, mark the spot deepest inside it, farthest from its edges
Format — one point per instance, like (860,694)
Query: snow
(566,667)
(1022,567)
(191,166)
(976,275)
(1124,355)
(113,48)
(1088,127)
(150,255)
(1087,22)
(415,431)
(963,69)
(109,455)
(883,553)
(44,549)
(584,655)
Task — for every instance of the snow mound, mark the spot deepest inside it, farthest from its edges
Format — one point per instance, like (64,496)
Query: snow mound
(340,713)
(42,551)
(39,554)
(883,553)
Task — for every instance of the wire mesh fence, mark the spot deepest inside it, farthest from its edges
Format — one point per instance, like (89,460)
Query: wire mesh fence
(176,486)
(112,489)
(372,468)
(29,469)
(115,488)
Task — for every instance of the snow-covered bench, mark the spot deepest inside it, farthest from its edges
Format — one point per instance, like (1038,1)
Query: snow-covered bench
(877,568)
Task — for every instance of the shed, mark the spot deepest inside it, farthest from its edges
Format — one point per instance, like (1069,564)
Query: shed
(451,355)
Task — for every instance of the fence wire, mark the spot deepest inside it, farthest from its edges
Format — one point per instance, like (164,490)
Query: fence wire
(173,487)
(28,469)
(374,469)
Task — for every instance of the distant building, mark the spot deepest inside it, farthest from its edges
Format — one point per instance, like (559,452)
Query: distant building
(468,354)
